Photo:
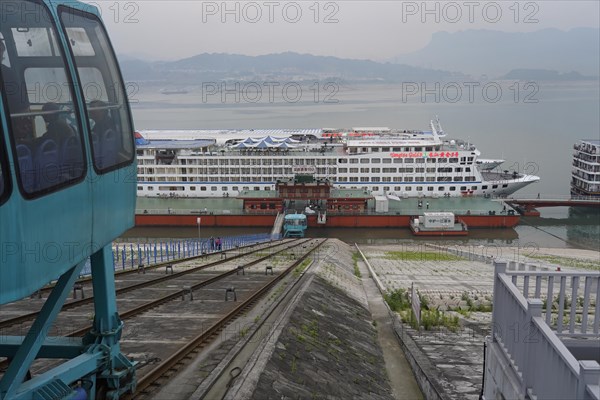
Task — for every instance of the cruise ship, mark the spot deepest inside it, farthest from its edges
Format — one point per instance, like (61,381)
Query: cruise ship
(585,173)
(378,160)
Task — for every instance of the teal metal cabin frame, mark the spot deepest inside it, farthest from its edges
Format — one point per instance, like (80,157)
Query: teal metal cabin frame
(50,227)
(294,225)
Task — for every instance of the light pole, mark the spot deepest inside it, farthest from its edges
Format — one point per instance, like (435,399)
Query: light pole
(198,220)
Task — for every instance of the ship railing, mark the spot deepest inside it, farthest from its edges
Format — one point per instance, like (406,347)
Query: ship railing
(530,334)
(549,197)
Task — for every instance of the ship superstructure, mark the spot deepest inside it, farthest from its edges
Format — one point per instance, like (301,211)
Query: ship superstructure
(378,160)
(585,173)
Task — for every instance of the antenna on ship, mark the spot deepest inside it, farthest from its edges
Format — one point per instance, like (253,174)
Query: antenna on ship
(439,126)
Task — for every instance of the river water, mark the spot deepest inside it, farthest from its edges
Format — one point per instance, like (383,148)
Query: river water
(533,126)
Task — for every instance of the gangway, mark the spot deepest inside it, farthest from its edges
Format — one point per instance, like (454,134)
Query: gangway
(277,226)
(528,206)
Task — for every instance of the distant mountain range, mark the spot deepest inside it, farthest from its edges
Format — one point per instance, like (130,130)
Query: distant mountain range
(276,67)
(545,75)
(495,53)
(548,54)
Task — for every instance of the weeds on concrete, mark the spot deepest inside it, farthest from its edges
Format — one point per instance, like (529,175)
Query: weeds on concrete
(355,258)
(420,256)
(397,300)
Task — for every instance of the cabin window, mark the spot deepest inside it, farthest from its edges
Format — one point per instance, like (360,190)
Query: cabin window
(409,160)
(440,189)
(484,187)
(111,133)
(408,179)
(364,170)
(452,188)
(430,188)
(419,188)
(473,187)
(408,189)
(387,160)
(375,160)
(463,188)
(4,180)
(364,160)
(420,160)
(505,185)
(44,127)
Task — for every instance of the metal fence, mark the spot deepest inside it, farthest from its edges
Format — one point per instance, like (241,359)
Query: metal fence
(136,253)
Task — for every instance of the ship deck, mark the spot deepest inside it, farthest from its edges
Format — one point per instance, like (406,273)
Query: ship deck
(476,206)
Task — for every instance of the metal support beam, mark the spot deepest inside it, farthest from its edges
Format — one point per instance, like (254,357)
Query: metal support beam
(54,347)
(118,376)
(37,333)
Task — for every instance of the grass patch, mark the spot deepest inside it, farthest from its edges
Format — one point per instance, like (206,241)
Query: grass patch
(355,258)
(300,268)
(434,318)
(420,256)
(397,300)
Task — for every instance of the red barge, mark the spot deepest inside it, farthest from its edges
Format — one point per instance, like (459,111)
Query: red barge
(325,207)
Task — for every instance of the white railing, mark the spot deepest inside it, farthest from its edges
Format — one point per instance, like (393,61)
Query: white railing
(569,298)
(544,365)
(549,197)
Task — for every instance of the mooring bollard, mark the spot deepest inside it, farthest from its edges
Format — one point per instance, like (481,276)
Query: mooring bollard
(230,290)
(169,268)
(76,287)
(187,290)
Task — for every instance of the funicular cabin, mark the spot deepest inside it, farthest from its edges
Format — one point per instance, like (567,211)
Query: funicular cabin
(67,189)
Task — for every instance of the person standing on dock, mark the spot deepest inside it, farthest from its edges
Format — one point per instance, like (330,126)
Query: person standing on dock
(427,205)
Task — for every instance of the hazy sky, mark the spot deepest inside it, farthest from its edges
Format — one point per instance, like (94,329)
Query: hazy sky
(378,30)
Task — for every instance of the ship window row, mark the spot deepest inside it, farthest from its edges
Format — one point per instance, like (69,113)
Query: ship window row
(387,149)
(401,170)
(227,171)
(585,166)
(249,162)
(406,179)
(407,160)
(178,188)
(587,177)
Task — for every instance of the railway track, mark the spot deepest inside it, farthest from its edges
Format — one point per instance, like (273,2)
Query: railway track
(175,294)
(120,291)
(149,381)
(273,250)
